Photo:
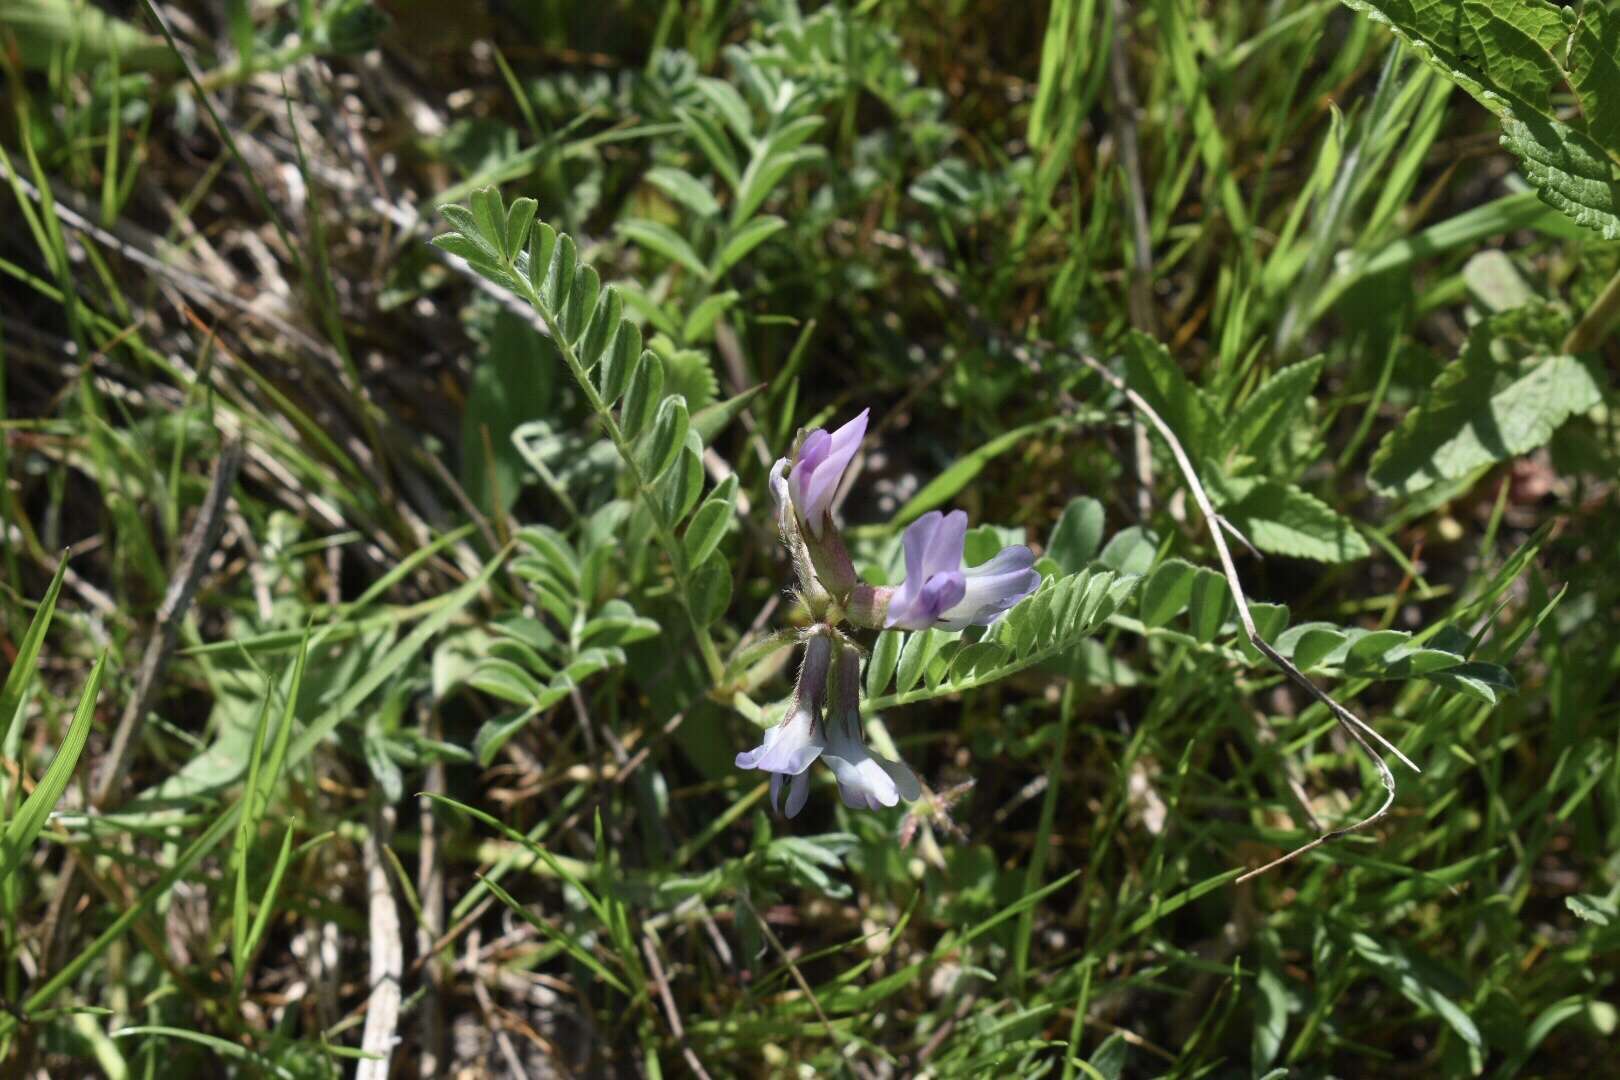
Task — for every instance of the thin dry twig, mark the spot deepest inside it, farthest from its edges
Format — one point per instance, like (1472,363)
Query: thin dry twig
(804,987)
(176,604)
(486,1005)
(1139,289)
(430,887)
(387,957)
(1358,729)
(655,967)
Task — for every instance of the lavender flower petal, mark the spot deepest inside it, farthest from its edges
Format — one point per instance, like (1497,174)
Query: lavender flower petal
(798,790)
(865,780)
(819,469)
(938,592)
(992,589)
(794,744)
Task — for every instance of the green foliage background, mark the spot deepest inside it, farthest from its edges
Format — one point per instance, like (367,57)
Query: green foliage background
(437,776)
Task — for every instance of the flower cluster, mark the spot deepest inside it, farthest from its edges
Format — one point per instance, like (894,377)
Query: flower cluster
(823,720)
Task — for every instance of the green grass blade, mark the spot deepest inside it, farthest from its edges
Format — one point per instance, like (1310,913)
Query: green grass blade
(25,827)
(22,670)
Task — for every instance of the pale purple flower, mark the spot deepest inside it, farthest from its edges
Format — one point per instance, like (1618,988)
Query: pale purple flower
(941,593)
(866,781)
(819,468)
(793,745)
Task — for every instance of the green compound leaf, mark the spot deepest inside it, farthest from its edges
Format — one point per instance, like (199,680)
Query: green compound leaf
(931,663)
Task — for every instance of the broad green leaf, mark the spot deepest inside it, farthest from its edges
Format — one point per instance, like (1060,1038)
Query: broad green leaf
(1515,58)
(1130,551)
(1284,520)
(880,668)
(619,362)
(1210,604)
(707,528)
(1270,620)
(542,247)
(1495,281)
(1569,170)
(646,390)
(1485,407)
(711,589)
(1077,535)
(1315,644)
(1484,681)
(1592,908)
(1268,414)
(559,276)
(682,485)
(581,303)
(519,216)
(1271,1004)
(1108,1061)
(496,733)
(1369,650)
(554,549)
(489,219)
(596,343)
(505,680)
(1167,591)
(919,649)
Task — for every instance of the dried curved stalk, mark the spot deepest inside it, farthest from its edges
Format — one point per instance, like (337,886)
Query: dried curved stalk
(1357,728)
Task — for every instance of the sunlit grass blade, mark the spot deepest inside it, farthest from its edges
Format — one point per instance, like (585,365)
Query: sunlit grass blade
(223,1047)
(22,668)
(30,818)
(570,944)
